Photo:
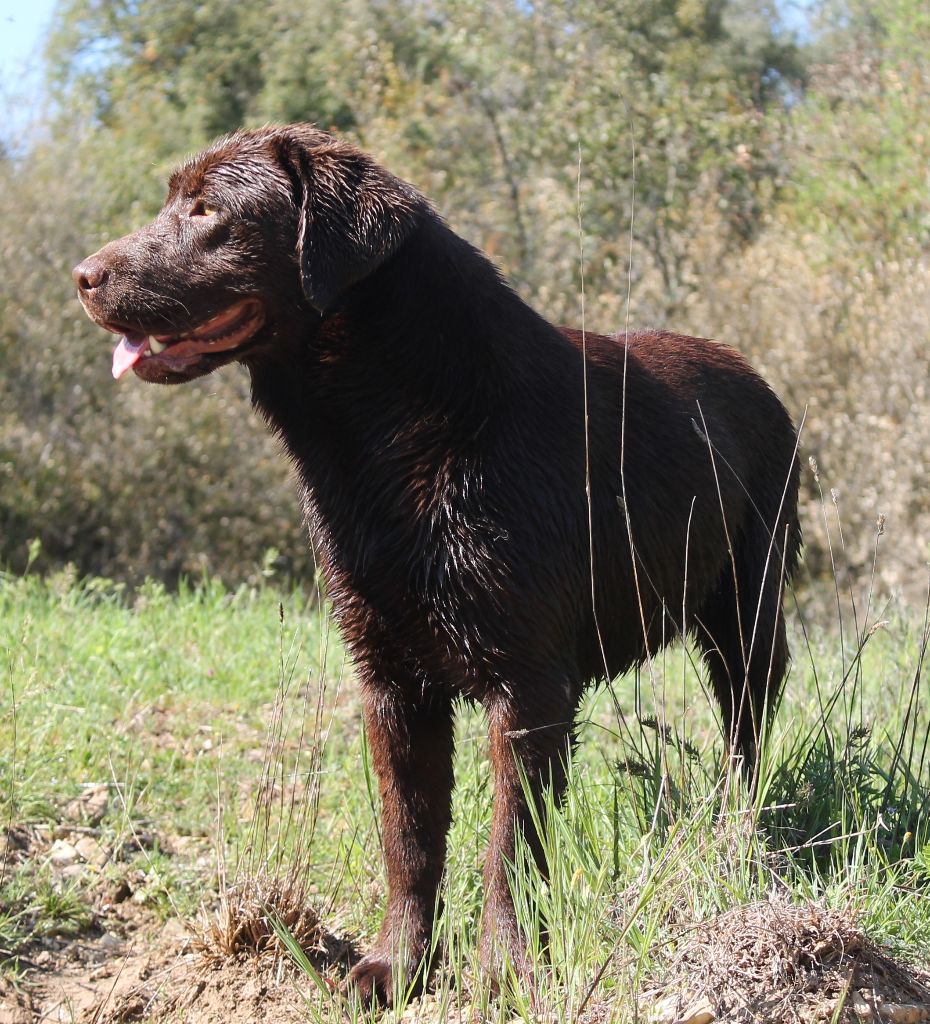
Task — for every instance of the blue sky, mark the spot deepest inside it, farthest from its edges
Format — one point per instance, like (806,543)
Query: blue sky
(22,25)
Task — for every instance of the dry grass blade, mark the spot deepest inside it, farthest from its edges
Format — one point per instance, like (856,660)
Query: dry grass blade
(270,892)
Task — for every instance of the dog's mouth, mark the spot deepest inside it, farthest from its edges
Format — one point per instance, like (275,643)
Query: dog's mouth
(173,353)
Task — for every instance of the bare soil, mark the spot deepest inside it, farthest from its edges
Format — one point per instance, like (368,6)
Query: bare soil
(129,965)
(774,961)
(151,979)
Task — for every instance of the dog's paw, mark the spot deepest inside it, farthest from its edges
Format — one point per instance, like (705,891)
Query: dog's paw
(505,960)
(383,978)
(372,979)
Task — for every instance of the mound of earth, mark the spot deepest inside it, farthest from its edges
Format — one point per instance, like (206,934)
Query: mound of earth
(153,975)
(780,963)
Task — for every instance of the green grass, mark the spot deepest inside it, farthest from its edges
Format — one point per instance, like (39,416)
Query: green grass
(199,708)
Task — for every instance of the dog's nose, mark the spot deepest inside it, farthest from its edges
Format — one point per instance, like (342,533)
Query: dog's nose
(90,274)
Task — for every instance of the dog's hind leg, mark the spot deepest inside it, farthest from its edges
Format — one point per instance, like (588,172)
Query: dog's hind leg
(740,629)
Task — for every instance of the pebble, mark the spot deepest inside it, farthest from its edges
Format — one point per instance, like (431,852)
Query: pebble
(91,851)
(63,855)
(90,807)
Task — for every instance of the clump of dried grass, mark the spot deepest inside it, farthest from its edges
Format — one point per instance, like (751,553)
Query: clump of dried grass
(783,963)
(250,915)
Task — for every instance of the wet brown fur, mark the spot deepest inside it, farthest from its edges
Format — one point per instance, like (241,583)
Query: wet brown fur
(437,424)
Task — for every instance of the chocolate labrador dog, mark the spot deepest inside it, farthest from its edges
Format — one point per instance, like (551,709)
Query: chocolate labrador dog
(503,511)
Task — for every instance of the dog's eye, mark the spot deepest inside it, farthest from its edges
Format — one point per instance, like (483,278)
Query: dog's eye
(200,209)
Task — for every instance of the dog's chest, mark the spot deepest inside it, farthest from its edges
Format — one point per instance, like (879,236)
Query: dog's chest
(413,547)
(411,522)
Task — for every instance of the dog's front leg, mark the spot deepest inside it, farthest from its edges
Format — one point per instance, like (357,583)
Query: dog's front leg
(530,748)
(411,744)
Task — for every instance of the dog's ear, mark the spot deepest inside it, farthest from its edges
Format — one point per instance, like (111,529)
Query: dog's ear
(353,214)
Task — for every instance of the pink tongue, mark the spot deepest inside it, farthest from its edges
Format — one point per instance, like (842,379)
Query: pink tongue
(128,352)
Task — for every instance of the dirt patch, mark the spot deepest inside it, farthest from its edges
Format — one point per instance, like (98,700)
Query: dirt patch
(114,960)
(165,988)
(158,973)
(97,985)
(780,963)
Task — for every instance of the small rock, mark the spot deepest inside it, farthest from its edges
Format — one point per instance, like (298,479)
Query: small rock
(181,846)
(702,1014)
(90,807)
(63,855)
(668,1011)
(91,851)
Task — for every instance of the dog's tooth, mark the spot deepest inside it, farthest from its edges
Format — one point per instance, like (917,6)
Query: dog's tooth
(156,346)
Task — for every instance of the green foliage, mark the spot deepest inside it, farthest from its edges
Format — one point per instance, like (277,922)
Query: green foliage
(484,103)
(124,480)
(860,177)
(34,907)
(489,107)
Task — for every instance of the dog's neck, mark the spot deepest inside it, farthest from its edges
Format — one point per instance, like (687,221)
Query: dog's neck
(433,332)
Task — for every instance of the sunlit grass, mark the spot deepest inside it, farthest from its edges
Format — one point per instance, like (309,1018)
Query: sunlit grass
(199,710)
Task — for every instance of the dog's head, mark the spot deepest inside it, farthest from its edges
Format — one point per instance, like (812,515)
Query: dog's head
(258,237)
